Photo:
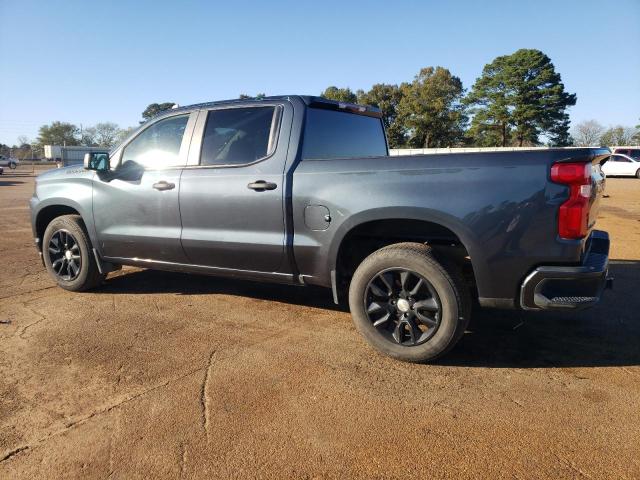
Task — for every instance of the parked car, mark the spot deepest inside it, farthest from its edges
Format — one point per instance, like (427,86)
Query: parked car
(10,162)
(630,151)
(301,190)
(622,166)
(1,170)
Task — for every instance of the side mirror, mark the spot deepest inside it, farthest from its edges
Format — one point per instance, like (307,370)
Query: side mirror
(98,161)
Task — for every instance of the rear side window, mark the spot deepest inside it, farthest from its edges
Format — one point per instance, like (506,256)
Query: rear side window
(330,134)
(237,136)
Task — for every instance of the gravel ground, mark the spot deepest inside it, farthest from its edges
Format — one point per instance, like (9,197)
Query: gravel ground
(168,375)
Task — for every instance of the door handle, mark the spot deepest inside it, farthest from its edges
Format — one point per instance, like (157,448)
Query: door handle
(164,185)
(261,186)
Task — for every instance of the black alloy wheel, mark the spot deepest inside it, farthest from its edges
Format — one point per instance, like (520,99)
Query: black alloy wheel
(65,255)
(403,306)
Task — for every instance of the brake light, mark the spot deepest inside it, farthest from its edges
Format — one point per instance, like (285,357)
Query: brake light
(573,216)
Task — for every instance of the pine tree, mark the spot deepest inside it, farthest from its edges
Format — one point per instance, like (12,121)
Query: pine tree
(517,98)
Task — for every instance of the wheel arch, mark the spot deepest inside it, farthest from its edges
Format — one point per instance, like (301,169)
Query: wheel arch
(53,209)
(368,231)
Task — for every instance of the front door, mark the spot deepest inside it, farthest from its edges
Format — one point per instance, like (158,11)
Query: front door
(135,206)
(231,198)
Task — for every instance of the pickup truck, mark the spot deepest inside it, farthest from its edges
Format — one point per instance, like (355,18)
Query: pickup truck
(300,190)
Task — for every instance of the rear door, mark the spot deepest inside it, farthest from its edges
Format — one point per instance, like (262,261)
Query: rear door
(135,206)
(231,192)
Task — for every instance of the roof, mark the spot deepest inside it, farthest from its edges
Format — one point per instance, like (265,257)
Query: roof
(309,100)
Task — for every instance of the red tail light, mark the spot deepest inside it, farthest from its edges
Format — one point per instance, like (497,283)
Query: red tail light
(573,216)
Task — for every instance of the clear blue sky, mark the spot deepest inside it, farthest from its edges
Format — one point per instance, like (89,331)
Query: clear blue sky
(85,62)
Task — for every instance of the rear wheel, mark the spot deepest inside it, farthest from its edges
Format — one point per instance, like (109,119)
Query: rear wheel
(68,256)
(407,304)
(13,165)
(638,173)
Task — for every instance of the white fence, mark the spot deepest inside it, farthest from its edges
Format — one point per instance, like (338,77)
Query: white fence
(427,151)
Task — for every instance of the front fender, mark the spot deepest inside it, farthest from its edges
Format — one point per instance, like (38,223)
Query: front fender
(72,193)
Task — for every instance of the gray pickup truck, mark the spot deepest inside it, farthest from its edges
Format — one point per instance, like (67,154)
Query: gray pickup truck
(301,190)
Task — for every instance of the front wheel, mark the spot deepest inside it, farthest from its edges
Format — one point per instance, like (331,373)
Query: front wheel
(407,304)
(638,173)
(67,255)
(13,165)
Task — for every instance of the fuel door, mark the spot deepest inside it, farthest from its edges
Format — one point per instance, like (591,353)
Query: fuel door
(317,217)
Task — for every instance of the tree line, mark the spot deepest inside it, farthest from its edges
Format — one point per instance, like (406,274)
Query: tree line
(518,100)
(591,132)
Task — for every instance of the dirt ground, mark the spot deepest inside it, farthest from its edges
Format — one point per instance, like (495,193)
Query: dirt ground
(177,376)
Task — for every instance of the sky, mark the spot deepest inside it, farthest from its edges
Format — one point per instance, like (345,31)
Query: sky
(86,62)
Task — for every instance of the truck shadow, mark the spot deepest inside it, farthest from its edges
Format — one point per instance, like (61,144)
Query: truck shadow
(9,183)
(153,281)
(606,335)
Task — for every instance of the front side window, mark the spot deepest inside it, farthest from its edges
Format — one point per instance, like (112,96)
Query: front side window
(331,134)
(159,145)
(238,136)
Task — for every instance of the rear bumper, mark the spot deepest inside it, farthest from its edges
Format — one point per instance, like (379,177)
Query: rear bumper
(566,288)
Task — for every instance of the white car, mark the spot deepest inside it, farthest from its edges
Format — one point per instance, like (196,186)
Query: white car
(621,165)
(12,163)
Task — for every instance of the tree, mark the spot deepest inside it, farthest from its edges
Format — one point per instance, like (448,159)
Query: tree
(58,133)
(520,97)
(617,135)
(106,134)
(387,99)
(103,134)
(587,133)
(636,135)
(431,109)
(339,94)
(154,109)
(88,137)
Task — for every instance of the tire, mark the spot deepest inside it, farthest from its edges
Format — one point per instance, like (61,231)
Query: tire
(68,231)
(638,173)
(441,286)
(13,166)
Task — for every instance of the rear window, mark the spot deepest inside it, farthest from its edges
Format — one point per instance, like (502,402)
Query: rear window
(330,134)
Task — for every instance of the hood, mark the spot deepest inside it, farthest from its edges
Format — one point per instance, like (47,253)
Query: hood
(72,171)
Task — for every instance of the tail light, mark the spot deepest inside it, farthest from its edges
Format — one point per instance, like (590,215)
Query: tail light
(573,216)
